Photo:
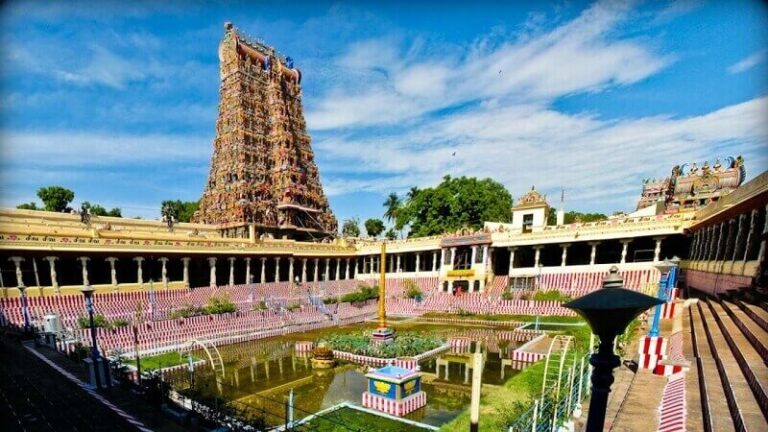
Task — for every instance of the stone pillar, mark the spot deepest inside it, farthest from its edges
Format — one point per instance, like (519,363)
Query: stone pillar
(139,273)
(346,271)
(290,269)
(17,260)
(303,270)
(248,269)
(740,234)
(164,272)
(761,253)
(434,261)
(536,256)
(442,257)
(399,267)
(186,261)
(593,253)
(750,235)
(710,244)
(511,260)
(277,269)
(231,271)
(486,255)
(112,270)
(52,264)
(730,240)
(453,256)
(327,269)
(657,249)
(418,262)
(564,255)
(338,268)
(474,256)
(720,245)
(34,269)
(317,266)
(84,263)
(624,248)
(263,276)
(212,274)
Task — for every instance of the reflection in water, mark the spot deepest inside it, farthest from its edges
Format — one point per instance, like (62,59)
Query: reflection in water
(259,374)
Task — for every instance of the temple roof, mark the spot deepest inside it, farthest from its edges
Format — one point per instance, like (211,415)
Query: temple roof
(532,199)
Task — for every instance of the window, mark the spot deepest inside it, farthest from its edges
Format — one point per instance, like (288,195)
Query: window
(527,223)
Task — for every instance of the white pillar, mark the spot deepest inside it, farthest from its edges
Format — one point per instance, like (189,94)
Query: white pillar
(564,256)
(338,268)
(34,269)
(624,248)
(399,267)
(164,272)
(277,269)
(248,269)
(112,270)
(52,264)
(212,274)
(186,260)
(536,256)
(657,249)
(511,260)
(750,234)
(474,256)
(17,260)
(139,273)
(346,271)
(84,263)
(327,269)
(486,255)
(303,270)
(593,253)
(231,271)
(434,261)
(290,269)
(317,265)
(263,277)
(418,262)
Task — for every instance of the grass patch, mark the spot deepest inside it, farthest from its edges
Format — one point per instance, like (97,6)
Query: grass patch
(161,361)
(405,344)
(501,317)
(346,419)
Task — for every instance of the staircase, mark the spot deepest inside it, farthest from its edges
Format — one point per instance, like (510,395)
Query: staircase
(731,367)
(320,305)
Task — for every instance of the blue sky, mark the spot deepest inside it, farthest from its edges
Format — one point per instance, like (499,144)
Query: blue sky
(119,101)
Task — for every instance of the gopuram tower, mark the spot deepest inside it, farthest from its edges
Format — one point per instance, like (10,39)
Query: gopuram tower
(263,173)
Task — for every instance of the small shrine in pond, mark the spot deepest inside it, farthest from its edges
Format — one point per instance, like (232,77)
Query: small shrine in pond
(394,390)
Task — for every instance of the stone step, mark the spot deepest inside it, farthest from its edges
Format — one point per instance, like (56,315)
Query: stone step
(748,407)
(715,398)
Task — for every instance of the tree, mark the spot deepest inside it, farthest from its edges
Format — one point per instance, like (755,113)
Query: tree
(374,227)
(55,198)
(115,212)
(391,234)
(573,216)
(28,206)
(98,210)
(351,228)
(392,205)
(453,204)
(182,210)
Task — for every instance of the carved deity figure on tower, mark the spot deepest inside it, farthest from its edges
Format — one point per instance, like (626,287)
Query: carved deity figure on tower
(263,170)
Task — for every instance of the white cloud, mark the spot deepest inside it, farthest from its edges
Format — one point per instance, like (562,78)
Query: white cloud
(402,83)
(748,62)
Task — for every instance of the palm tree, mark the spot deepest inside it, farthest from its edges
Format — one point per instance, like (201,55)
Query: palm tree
(412,193)
(392,204)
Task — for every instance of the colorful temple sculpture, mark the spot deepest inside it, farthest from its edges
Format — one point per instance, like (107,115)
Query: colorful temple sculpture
(691,187)
(263,175)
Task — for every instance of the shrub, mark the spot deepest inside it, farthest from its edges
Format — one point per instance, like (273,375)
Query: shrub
(331,300)
(293,306)
(412,290)
(220,305)
(98,321)
(363,293)
(462,312)
(187,312)
(551,295)
(507,296)
(120,322)
(261,306)
(405,344)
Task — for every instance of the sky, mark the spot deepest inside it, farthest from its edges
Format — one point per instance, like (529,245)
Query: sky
(118,101)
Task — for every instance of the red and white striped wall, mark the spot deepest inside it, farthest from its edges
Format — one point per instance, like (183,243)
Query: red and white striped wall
(394,407)
(652,350)
(669,309)
(673,408)
(527,357)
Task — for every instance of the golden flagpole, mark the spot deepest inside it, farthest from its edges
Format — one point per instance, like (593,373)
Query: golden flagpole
(382,287)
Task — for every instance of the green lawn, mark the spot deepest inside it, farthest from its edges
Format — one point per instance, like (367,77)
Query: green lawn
(161,361)
(348,419)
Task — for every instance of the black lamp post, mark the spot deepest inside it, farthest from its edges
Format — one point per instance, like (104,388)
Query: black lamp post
(608,311)
(24,306)
(88,291)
